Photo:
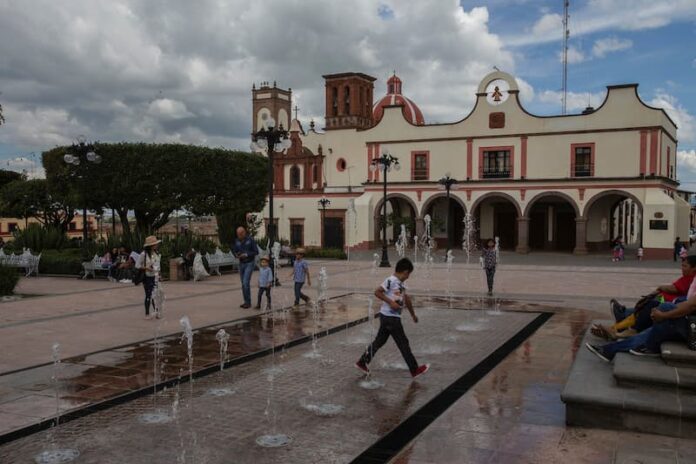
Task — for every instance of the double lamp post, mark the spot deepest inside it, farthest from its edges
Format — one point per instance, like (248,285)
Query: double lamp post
(77,158)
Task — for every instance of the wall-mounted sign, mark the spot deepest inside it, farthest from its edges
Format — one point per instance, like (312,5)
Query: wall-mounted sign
(659,215)
(658,224)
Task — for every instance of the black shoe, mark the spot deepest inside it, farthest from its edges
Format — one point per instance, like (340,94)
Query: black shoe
(618,310)
(597,351)
(245,306)
(643,351)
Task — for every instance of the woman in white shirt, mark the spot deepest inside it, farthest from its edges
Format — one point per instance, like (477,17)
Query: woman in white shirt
(150,263)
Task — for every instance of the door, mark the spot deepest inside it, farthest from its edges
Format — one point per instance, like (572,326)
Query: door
(333,232)
(537,229)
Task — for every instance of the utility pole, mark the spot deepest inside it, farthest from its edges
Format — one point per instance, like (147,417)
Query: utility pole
(566,36)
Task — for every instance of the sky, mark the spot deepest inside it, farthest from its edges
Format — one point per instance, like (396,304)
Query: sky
(182,71)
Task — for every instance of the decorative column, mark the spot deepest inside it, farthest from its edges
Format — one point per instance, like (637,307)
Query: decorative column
(522,235)
(580,236)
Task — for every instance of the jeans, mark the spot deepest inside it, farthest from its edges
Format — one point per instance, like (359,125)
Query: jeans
(644,319)
(390,326)
(490,274)
(624,346)
(298,293)
(669,330)
(149,286)
(245,270)
(267,291)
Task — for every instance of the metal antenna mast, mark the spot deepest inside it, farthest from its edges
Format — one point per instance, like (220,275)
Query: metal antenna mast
(566,35)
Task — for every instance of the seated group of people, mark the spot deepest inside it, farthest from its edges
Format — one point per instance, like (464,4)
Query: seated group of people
(121,264)
(659,317)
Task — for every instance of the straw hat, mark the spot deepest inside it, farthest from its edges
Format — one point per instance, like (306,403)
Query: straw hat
(300,251)
(151,240)
(264,258)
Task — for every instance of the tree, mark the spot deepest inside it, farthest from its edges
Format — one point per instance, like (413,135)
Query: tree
(33,198)
(8,176)
(2,118)
(153,180)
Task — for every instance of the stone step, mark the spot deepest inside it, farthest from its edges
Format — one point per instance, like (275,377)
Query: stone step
(677,354)
(593,398)
(635,371)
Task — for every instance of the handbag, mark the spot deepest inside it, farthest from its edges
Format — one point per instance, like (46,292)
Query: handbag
(691,335)
(138,276)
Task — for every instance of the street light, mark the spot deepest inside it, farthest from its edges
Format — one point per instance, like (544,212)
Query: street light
(270,140)
(77,152)
(447,182)
(384,163)
(323,204)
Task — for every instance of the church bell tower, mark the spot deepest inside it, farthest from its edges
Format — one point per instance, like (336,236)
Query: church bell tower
(270,101)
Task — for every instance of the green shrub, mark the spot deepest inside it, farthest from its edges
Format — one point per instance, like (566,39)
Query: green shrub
(8,280)
(38,238)
(68,261)
(331,253)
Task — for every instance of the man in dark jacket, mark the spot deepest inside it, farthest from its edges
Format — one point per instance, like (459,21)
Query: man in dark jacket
(245,250)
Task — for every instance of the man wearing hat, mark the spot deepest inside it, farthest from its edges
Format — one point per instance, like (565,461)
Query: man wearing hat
(245,250)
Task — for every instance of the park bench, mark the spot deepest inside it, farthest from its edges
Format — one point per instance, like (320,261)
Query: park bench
(26,261)
(219,259)
(93,266)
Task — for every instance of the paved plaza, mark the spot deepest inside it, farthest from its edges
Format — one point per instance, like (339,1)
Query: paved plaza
(510,412)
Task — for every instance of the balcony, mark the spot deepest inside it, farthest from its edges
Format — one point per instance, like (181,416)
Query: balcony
(495,174)
(583,170)
(420,174)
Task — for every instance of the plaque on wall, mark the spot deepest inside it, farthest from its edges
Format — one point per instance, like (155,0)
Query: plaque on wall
(496,120)
(659,215)
(658,224)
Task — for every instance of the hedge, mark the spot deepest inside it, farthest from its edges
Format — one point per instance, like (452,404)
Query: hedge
(8,280)
(332,253)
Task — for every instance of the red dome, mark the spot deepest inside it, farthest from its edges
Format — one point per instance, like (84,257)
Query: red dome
(410,110)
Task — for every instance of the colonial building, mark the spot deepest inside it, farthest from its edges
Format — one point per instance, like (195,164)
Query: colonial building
(568,183)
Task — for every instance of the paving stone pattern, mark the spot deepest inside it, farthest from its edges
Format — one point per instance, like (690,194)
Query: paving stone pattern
(223,429)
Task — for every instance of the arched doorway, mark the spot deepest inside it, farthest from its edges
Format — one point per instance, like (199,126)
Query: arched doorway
(400,210)
(496,215)
(611,214)
(552,219)
(443,229)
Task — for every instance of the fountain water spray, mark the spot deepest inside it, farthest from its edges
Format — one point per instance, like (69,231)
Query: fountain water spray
(368,382)
(402,242)
(427,241)
(56,455)
(223,338)
(323,285)
(188,335)
(375,263)
(415,250)
(450,260)
(497,250)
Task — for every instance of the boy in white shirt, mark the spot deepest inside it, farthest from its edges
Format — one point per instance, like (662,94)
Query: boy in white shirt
(392,292)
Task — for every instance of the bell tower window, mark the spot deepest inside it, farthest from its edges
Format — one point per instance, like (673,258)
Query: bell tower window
(295,178)
(346,100)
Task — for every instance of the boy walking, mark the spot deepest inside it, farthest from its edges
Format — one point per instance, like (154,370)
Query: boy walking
(392,292)
(265,282)
(300,273)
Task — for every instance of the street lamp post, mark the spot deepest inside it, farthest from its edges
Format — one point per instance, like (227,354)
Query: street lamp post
(270,140)
(384,163)
(77,153)
(448,182)
(323,204)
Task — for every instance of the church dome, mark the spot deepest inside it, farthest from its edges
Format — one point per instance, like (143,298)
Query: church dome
(393,97)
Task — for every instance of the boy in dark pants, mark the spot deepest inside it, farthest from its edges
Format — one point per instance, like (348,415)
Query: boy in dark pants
(392,292)
(265,282)
(300,273)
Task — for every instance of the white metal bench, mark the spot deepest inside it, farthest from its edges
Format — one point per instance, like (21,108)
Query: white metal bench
(26,261)
(91,267)
(219,259)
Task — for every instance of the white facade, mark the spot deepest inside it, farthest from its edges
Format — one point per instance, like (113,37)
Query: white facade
(555,183)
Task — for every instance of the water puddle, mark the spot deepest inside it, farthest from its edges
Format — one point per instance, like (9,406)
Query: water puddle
(371,384)
(273,441)
(155,418)
(221,391)
(324,410)
(56,456)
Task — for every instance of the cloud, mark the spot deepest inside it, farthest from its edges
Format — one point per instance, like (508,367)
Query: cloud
(575,55)
(610,44)
(30,165)
(172,70)
(575,100)
(685,121)
(686,159)
(601,15)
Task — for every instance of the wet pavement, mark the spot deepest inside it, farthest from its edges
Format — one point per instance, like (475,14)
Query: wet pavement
(285,392)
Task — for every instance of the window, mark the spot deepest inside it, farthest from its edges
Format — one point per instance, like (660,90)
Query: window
(295,178)
(334,100)
(11,227)
(341,165)
(497,164)
(346,100)
(420,166)
(582,161)
(296,232)
(72,226)
(315,173)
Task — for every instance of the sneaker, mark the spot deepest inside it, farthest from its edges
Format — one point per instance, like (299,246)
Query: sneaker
(597,351)
(643,351)
(245,306)
(618,310)
(363,367)
(420,371)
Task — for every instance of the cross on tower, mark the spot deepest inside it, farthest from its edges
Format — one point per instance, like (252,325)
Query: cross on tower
(296,109)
